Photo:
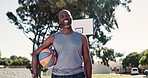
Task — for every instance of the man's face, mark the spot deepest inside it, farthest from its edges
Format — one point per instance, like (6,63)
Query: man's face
(65,18)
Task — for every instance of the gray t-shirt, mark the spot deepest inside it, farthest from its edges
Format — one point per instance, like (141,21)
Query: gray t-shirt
(69,50)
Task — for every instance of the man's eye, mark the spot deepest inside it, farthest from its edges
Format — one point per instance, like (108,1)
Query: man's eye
(67,15)
(62,16)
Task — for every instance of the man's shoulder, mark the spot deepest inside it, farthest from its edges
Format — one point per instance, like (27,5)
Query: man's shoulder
(55,33)
(81,34)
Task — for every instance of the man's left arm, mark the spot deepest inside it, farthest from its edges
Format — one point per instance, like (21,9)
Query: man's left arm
(86,57)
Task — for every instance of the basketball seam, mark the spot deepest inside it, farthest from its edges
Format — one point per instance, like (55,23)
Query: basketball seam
(46,56)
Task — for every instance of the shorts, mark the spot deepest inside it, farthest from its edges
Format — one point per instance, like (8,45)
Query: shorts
(79,75)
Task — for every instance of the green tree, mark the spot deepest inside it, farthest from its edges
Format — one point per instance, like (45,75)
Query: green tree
(15,61)
(119,54)
(5,61)
(20,61)
(38,18)
(25,62)
(131,60)
(144,58)
(13,57)
(45,69)
(107,55)
(35,18)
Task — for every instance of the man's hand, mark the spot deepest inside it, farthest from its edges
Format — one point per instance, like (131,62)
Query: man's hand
(35,75)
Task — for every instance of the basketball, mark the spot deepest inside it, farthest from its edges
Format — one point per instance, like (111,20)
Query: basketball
(48,57)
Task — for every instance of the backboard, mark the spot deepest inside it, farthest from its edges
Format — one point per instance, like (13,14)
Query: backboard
(84,26)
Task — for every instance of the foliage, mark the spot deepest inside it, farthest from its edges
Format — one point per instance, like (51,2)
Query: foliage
(38,19)
(119,54)
(131,60)
(144,58)
(13,57)
(5,61)
(15,61)
(44,69)
(134,59)
(107,55)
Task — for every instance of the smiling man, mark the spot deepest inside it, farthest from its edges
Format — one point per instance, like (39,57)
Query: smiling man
(72,48)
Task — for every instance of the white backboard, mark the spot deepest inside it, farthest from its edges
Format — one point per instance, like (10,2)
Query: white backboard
(84,26)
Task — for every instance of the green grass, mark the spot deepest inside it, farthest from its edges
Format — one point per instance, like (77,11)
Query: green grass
(109,76)
(46,77)
(101,76)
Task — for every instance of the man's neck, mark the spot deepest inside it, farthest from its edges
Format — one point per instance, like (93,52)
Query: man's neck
(67,30)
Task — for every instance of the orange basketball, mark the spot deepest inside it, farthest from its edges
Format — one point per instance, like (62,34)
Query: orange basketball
(48,57)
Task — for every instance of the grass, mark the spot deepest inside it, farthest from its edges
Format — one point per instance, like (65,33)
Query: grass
(109,76)
(46,77)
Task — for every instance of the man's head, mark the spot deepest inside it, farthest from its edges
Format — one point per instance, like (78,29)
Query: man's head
(65,18)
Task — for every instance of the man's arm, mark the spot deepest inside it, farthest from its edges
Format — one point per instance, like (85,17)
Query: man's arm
(35,62)
(86,57)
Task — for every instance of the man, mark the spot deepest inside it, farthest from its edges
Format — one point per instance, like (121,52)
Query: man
(71,47)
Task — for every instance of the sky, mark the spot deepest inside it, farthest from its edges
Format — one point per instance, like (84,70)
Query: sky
(12,40)
(133,29)
(131,36)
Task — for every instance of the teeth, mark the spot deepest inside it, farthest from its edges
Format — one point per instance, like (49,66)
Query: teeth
(65,21)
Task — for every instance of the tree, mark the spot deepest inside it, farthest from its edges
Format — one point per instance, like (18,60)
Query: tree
(38,18)
(144,58)
(107,55)
(119,54)
(35,19)
(5,61)
(15,61)
(131,60)
(20,61)
(13,57)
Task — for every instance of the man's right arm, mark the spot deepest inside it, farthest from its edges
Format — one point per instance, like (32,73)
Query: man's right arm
(35,63)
